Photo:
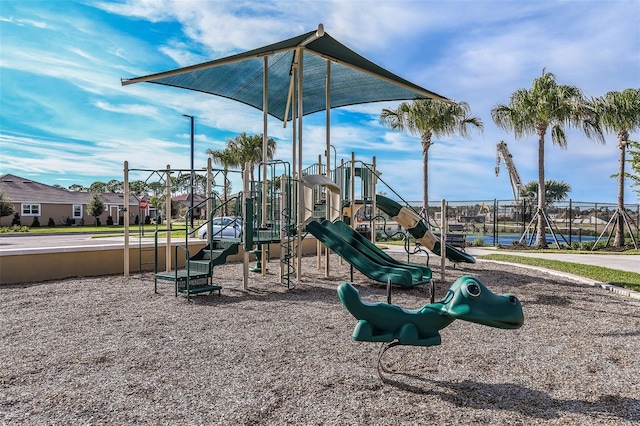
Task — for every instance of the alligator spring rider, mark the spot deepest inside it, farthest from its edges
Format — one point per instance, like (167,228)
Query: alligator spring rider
(467,299)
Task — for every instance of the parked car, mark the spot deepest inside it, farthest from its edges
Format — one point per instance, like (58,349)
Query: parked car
(223,226)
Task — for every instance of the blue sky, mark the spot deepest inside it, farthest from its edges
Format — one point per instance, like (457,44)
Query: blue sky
(65,118)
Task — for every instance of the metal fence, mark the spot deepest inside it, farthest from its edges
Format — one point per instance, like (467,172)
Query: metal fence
(506,221)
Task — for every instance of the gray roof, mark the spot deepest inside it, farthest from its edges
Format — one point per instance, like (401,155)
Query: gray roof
(22,190)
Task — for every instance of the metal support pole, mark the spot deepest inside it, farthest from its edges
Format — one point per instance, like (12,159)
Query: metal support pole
(167,221)
(443,238)
(317,193)
(191,174)
(126,218)
(245,251)
(374,206)
(210,200)
(328,158)
(265,158)
(352,190)
(300,222)
(570,219)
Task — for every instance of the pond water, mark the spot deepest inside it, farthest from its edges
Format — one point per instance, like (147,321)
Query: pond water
(508,239)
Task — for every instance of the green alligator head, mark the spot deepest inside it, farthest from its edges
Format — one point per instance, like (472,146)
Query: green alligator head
(468,299)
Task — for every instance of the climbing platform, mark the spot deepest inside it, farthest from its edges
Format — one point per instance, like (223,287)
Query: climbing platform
(197,275)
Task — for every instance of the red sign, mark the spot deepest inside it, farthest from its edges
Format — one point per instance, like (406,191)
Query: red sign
(144,204)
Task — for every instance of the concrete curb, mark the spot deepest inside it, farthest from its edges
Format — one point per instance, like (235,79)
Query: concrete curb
(612,288)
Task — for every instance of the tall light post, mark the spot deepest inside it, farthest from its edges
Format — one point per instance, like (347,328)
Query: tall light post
(192,171)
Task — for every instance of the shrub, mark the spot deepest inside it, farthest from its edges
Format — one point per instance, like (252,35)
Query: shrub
(35,223)
(589,245)
(109,220)
(137,220)
(16,220)
(52,223)
(14,228)
(147,220)
(478,242)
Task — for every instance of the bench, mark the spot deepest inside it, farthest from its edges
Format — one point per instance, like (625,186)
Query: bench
(456,236)
(456,227)
(457,240)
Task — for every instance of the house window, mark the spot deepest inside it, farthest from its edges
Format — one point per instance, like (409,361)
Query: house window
(31,210)
(77,211)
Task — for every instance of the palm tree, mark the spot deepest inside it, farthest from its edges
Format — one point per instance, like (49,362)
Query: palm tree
(247,150)
(242,151)
(532,112)
(226,159)
(620,113)
(555,190)
(429,118)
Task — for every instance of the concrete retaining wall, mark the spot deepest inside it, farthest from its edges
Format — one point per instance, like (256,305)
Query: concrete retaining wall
(30,266)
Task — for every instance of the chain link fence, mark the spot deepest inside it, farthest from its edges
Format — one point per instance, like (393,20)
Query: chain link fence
(506,222)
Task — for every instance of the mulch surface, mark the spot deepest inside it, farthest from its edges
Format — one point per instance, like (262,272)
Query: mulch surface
(109,350)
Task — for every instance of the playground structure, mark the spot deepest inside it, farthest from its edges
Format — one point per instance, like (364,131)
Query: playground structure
(305,74)
(319,200)
(337,222)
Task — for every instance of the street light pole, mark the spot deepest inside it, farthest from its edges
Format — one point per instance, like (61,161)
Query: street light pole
(192,171)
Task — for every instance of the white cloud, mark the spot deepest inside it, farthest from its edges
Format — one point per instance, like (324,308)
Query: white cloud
(146,110)
(180,53)
(472,51)
(24,22)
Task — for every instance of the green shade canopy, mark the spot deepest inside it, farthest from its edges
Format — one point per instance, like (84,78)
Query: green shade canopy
(354,79)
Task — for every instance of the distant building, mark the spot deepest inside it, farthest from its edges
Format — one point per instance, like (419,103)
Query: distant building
(32,199)
(185,204)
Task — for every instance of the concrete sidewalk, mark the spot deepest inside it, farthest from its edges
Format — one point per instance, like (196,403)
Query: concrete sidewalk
(630,263)
(621,262)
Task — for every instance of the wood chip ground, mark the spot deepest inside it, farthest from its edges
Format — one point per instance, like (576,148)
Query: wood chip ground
(108,350)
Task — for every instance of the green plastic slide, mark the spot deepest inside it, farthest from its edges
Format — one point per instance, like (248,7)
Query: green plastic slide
(363,259)
(374,252)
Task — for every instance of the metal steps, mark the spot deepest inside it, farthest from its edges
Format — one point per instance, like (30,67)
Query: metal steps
(197,276)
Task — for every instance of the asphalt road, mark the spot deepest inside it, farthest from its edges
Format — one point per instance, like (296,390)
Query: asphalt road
(11,243)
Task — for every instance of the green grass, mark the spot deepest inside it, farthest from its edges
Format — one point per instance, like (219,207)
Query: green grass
(106,230)
(629,280)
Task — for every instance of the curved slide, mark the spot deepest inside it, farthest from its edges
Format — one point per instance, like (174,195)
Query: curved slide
(416,226)
(375,253)
(372,262)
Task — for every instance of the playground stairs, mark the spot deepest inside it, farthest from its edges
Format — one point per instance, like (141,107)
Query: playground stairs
(197,275)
